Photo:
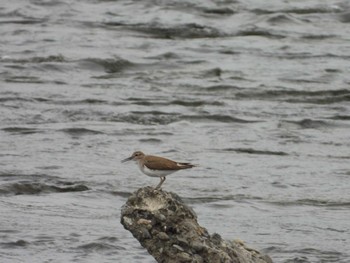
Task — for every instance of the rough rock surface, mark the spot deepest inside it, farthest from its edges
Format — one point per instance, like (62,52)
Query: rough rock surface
(169,230)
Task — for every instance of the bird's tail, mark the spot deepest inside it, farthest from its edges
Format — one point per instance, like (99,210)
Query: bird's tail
(185,165)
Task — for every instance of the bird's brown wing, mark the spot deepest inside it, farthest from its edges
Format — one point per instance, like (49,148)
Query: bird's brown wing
(160,163)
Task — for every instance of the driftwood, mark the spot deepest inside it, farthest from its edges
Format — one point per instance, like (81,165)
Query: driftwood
(169,230)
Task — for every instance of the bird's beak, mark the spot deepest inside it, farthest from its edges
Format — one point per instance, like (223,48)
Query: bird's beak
(127,159)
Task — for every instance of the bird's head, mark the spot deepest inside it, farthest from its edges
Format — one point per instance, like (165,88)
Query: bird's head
(138,155)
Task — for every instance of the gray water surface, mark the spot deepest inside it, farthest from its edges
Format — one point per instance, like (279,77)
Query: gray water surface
(255,93)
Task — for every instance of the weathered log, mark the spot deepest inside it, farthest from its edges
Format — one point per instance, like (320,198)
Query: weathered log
(169,230)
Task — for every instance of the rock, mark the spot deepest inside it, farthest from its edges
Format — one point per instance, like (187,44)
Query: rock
(169,230)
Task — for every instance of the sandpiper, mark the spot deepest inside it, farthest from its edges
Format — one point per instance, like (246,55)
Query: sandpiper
(155,166)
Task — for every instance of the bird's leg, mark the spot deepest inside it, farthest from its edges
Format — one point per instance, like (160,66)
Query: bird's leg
(162,179)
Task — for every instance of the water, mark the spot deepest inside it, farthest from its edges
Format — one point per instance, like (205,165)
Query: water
(257,94)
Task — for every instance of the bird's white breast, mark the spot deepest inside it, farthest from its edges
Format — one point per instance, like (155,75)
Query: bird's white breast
(155,173)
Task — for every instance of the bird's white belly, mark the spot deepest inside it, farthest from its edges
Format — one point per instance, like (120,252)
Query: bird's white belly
(155,173)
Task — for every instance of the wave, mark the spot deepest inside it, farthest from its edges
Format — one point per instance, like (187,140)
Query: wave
(211,199)
(14,175)
(80,131)
(110,65)
(121,193)
(222,87)
(310,124)
(52,58)
(218,11)
(150,140)
(21,130)
(218,118)
(97,246)
(52,101)
(340,117)
(298,10)
(312,202)
(15,244)
(261,32)
(33,184)
(34,188)
(298,96)
(159,117)
(182,102)
(253,151)
(182,31)
(308,254)
(103,243)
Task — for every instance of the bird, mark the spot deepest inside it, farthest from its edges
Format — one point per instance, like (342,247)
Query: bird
(155,166)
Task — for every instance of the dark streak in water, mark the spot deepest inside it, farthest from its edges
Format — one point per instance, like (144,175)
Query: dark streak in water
(110,65)
(100,246)
(186,103)
(15,175)
(33,188)
(253,151)
(158,117)
(210,199)
(23,21)
(312,202)
(185,31)
(21,130)
(58,58)
(16,244)
(310,124)
(300,11)
(340,117)
(320,255)
(195,103)
(219,118)
(345,17)
(80,131)
(217,88)
(318,36)
(121,193)
(93,101)
(255,31)
(299,96)
(166,56)
(278,19)
(219,11)
(153,112)
(150,140)
(24,79)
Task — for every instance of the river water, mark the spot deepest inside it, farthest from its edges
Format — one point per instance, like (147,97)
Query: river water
(256,93)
